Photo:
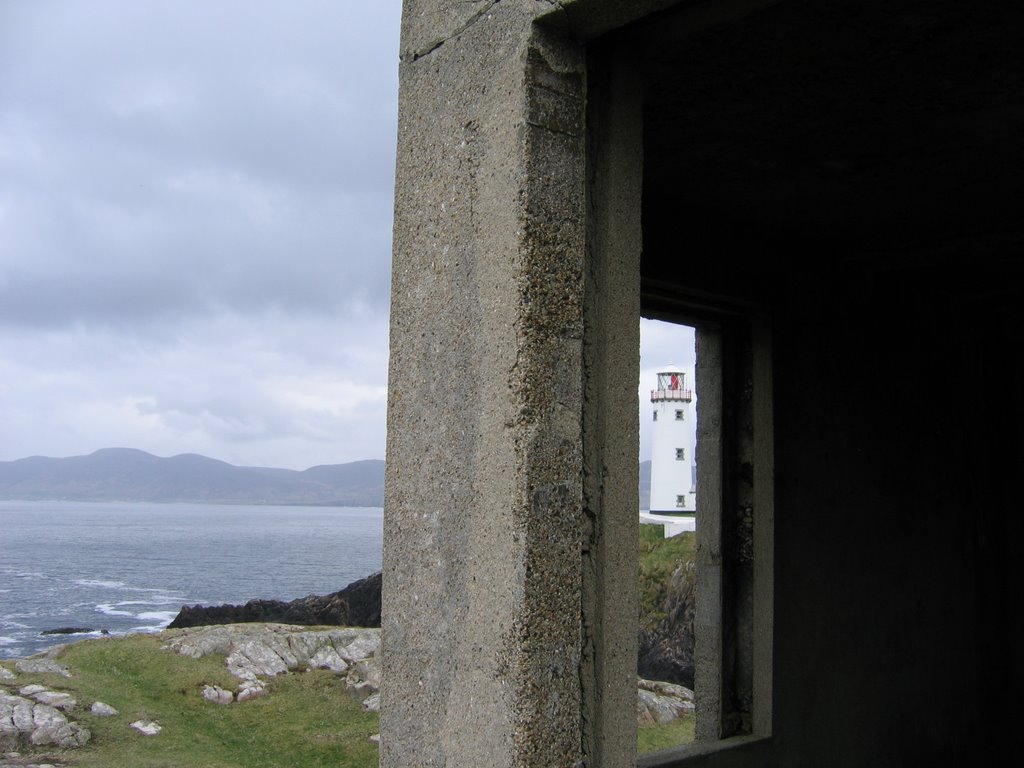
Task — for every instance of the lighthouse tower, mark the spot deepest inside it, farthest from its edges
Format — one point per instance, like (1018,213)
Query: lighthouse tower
(672,442)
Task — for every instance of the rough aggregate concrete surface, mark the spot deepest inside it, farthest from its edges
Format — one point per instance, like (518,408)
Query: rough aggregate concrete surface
(482,552)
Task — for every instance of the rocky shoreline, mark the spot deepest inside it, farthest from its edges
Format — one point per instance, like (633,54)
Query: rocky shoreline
(665,651)
(357,605)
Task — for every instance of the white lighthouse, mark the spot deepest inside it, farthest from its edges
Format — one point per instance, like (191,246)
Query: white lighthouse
(673,491)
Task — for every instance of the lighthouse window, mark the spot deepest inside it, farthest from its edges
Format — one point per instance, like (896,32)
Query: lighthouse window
(679,415)
(655,415)
(680,454)
(681,501)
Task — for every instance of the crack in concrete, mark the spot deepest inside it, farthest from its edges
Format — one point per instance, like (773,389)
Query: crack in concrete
(438,42)
(549,129)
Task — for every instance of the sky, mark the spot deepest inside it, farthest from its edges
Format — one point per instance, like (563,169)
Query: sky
(195,228)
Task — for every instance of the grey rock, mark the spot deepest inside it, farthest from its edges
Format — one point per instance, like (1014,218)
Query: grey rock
(146,727)
(42,666)
(6,674)
(23,721)
(257,658)
(367,670)
(659,702)
(255,652)
(21,715)
(360,647)
(372,702)
(56,699)
(327,658)
(251,690)
(217,695)
(100,709)
(363,681)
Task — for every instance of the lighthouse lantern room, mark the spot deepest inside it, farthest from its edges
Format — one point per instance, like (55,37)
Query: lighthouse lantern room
(672,443)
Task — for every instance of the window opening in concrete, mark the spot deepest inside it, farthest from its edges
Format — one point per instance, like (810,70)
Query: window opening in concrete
(711,609)
(667,538)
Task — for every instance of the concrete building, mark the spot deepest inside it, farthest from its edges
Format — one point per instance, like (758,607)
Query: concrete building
(672,486)
(822,189)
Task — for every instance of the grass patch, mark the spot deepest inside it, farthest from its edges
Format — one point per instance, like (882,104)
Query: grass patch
(651,738)
(308,719)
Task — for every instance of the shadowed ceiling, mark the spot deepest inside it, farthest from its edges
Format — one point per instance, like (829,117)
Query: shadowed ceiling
(838,131)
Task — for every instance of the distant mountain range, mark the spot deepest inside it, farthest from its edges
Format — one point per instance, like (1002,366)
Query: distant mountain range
(126,474)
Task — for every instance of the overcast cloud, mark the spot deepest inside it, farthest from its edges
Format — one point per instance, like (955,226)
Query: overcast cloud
(195,225)
(195,219)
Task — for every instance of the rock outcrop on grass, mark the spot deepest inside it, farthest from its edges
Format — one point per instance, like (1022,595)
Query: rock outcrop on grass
(257,652)
(26,721)
(659,702)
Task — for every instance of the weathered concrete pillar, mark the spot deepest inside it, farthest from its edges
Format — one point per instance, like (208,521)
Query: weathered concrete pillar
(482,553)
(510,547)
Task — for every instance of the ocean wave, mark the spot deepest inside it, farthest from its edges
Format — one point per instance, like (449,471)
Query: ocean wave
(100,583)
(112,584)
(166,617)
(7,640)
(107,609)
(156,600)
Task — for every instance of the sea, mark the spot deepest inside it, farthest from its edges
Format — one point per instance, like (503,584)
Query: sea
(119,568)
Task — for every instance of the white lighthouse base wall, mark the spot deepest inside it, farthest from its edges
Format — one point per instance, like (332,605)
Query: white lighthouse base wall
(672,526)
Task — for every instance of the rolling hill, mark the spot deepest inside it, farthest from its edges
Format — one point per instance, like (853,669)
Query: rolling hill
(126,474)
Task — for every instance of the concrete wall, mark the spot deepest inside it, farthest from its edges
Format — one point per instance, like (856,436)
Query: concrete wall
(495,513)
(510,549)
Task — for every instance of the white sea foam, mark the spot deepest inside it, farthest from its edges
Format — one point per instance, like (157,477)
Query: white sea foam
(99,583)
(107,609)
(166,617)
(157,600)
(7,641)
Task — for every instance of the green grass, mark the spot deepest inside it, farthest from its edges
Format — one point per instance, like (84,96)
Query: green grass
(651,738)
(308,719)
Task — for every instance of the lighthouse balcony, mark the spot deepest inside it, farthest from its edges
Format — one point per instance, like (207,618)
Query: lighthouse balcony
(683,395)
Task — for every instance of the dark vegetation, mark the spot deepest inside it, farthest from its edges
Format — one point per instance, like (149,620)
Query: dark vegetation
(667,605)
